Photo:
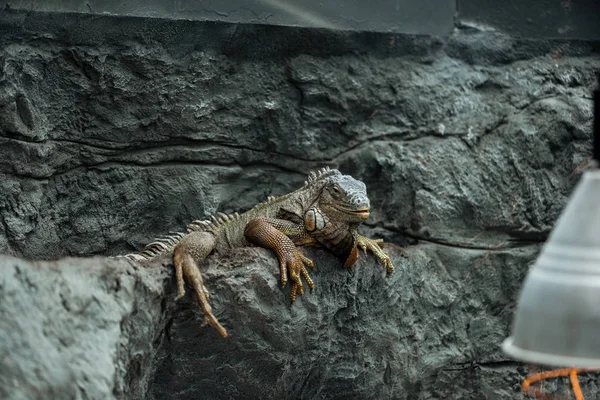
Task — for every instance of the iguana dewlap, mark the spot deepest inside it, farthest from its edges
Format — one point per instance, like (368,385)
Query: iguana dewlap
(326,211)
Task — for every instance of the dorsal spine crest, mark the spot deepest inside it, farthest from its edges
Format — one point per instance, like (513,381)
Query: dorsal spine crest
(323,173)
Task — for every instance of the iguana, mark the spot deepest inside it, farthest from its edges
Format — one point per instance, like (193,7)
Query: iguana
(326,211)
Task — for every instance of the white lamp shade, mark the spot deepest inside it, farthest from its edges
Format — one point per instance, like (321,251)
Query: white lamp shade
(557,321)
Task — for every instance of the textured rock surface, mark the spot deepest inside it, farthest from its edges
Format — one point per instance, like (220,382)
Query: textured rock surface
(114,131)
(77,329)
(424,332)
(173,121)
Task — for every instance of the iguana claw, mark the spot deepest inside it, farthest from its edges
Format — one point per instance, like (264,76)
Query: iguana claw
(295,264)
(375,246)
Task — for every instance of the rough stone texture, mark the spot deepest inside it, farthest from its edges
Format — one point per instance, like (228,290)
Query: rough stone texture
(114,131)
(424,332)
(78,328)
(436,17)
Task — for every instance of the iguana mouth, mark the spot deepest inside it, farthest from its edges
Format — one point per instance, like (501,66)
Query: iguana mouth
(363,213)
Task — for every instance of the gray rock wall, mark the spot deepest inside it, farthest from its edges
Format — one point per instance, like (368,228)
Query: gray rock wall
(117,130)
(406,16)
(78,329)
(430,330)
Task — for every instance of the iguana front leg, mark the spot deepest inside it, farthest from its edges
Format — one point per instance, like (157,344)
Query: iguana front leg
(281,236)
(375,246)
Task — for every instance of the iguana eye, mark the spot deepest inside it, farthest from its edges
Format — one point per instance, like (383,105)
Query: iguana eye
(336,190)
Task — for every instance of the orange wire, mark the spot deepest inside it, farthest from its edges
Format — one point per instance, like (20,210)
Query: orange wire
(575,384)
(556,373)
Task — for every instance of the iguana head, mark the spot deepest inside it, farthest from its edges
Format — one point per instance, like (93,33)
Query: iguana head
(344,198)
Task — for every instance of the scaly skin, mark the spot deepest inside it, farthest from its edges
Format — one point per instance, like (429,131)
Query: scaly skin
(326,211)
